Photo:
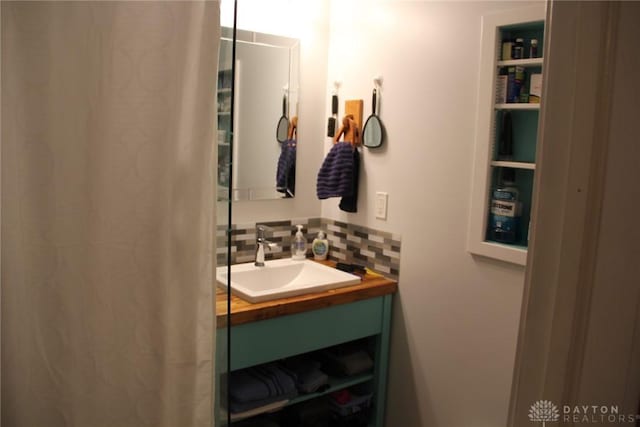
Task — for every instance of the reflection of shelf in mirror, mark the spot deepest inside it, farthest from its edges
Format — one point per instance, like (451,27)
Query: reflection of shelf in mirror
(515,165)
(224,113)
(223,144)
(516,106)
(224,90)
(527,62)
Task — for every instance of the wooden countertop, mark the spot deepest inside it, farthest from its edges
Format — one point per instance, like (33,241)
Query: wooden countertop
(372,285)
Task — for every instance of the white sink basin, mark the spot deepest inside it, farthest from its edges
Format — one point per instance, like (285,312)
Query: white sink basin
(282,278)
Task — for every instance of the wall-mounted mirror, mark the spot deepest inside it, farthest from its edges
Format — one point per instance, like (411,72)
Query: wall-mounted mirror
(265,105)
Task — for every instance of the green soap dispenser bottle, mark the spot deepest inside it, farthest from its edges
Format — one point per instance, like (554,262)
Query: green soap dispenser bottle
(320,247)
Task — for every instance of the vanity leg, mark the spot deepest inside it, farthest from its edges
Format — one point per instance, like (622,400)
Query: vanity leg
(382,362)
(221,354)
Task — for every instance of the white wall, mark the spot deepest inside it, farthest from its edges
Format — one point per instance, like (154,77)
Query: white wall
(456,316)
(308,21)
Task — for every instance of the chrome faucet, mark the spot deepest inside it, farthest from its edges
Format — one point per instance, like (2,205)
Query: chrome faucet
(261,244)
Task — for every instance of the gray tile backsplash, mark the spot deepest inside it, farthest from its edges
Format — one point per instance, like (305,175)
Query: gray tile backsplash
(377,250)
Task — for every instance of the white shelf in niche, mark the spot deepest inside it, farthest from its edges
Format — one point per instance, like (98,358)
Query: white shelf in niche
(515,165)
(517,106)
(526,62)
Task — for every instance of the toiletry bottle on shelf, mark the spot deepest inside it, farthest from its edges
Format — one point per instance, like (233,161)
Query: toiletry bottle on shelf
(515,82)
(299,246)
(533,49)
(502,80)
(507,47)
(505,143)
(320,247)
(506,209)
(518,49)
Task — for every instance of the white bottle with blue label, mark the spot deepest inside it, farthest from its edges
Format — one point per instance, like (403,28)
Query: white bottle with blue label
(299,246)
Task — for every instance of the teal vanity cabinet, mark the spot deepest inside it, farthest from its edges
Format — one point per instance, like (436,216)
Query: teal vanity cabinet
(273,330)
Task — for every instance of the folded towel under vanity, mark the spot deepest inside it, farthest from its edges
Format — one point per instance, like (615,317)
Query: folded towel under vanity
(260,386)
(346,360)
(309,376)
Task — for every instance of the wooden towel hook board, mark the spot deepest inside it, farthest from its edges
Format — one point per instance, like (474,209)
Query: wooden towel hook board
(351,128)
(292,132)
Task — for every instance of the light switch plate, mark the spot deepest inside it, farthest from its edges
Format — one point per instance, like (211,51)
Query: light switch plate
(381,205)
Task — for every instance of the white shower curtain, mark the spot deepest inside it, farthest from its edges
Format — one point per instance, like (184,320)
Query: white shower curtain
(108,113)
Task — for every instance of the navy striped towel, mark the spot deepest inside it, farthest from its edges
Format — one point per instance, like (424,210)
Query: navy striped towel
(336,175)
(286,171)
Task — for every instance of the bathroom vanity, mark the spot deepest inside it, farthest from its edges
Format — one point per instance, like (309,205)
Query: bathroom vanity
(273,330)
